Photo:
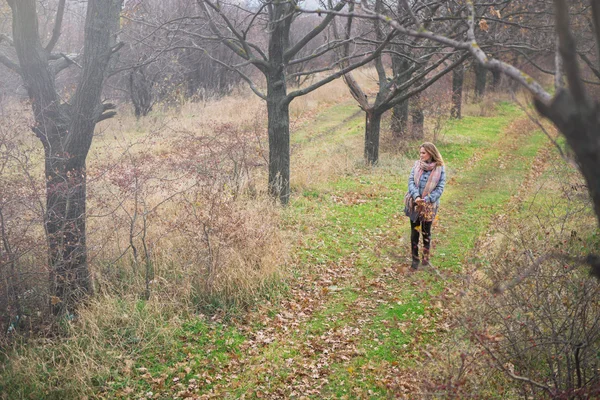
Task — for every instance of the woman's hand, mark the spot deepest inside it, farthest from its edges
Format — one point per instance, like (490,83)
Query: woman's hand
(419,200)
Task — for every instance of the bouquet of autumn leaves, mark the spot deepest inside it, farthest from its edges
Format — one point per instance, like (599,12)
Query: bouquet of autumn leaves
(426,210)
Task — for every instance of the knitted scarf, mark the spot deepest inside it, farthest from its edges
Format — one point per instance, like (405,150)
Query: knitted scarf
(426,211)
(434,177)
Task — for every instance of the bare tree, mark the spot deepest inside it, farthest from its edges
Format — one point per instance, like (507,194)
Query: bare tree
(421,64)
(160,62)
(571,109)
(65,130)
(273,59)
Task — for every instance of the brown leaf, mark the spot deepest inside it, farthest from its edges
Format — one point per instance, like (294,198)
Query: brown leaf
(483,25)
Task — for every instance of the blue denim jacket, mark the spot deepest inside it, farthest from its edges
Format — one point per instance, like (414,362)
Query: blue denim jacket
(433,197)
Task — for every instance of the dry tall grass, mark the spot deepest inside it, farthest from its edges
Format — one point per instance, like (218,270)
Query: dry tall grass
(178,222)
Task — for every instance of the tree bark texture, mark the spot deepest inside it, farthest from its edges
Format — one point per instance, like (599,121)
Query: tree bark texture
(400,120)
(279,138)
(372,128)
(278,104)
(399,125)
(458,78)
(66,131)
(496,79)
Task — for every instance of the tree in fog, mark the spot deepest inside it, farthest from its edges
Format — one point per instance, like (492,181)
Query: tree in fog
(416,65)
(160,62)
(240,28)
(65,129)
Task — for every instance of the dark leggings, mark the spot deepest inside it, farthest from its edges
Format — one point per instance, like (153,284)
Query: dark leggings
(414,238)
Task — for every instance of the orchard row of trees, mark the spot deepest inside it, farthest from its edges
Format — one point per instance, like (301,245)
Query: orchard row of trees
(70,55)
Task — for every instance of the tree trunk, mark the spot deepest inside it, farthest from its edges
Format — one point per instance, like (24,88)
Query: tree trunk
(372,128)
(418,118)
(496,78)
(140,91)
(458,77)
(400,120)
(480,80)
(66,131)
(279,136)
(278,113)
(399,124)
(65,228)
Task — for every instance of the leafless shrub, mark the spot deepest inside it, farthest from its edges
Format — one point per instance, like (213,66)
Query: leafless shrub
(543,332)
(188,219)
(540,337)
(23,263)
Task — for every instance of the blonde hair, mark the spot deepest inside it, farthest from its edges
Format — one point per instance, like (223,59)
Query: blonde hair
(436,157)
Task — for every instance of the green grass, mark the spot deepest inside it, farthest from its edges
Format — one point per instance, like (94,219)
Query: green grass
(355,220)
(374,317)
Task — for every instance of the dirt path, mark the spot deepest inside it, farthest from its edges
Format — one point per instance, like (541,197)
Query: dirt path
(356,318)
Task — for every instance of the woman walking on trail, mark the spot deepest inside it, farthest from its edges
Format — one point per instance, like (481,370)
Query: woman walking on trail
(425,187)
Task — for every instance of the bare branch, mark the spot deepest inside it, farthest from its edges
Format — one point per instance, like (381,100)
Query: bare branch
(290,53)
(502,287)
(416,78)
(245,77)
(105,111)
(472,47)
(60,11)
(320,51)
(6,38)
(64,62)
(411,13)
(343,71)
(379,35)
(536,121)
(8,63)
(431,81)
(590,64)
(568,52)
(244,51)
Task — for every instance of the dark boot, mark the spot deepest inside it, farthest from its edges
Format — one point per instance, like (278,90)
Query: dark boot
(414,243)
(426,231)
(415,264)
(426,262)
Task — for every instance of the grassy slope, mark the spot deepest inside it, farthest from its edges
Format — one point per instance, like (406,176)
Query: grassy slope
(355,318)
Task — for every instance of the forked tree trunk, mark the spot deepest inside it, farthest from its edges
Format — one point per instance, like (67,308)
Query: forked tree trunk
(458,77)
(66,132)
(372,128)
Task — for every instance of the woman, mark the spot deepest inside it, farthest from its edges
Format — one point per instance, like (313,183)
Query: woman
(425,187)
